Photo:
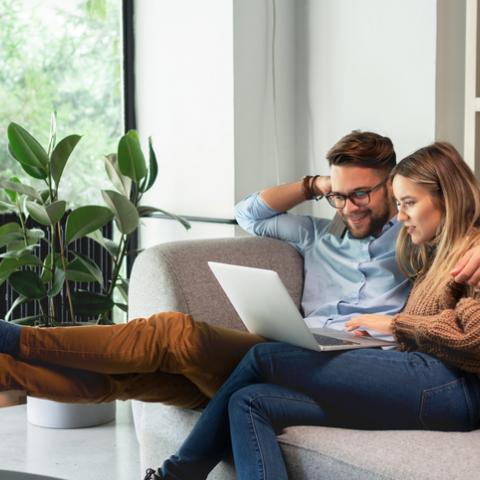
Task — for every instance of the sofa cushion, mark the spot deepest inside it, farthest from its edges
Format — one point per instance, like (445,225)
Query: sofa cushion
(328,453)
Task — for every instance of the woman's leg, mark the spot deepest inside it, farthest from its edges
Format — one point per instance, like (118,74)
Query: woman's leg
(371,388)
(80,386)
(169,342)
(257,414)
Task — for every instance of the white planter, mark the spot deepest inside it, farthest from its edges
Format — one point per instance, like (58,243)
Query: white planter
(50,414)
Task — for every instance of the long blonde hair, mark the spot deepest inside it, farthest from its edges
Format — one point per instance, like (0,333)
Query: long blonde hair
(441,170)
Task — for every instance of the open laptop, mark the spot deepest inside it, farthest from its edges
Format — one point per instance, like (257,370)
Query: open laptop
(266,308)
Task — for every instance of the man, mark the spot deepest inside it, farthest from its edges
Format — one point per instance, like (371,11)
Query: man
(355,274)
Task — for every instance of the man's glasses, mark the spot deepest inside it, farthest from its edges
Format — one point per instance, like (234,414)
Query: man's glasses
(360,198)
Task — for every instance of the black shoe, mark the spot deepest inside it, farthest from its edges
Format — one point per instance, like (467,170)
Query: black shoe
(151,474)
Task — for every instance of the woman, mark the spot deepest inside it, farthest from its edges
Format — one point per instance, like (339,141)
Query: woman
(431,382)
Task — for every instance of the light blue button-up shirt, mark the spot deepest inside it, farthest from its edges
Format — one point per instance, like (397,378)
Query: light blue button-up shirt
(344,277)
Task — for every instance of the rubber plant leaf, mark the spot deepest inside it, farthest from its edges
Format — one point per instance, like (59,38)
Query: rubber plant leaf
(84,220)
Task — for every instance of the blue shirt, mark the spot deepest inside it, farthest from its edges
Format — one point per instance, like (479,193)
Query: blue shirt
(344,277)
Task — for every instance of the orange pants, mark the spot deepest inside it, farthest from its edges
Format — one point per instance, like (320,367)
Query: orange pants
(167,358)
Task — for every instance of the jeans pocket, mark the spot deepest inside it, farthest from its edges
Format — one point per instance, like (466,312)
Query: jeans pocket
(447,407)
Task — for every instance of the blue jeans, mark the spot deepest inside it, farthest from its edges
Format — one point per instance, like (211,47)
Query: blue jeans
(277,385)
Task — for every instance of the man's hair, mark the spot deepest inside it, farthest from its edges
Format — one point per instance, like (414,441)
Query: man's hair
(363,149)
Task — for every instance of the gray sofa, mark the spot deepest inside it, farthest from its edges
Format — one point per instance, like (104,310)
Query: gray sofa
(175,276)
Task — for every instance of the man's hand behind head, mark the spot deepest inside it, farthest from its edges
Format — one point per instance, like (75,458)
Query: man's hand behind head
(322,186)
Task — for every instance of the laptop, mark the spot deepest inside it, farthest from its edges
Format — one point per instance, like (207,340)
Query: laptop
(266,308)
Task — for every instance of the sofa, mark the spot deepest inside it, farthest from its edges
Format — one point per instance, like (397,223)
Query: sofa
(175,277)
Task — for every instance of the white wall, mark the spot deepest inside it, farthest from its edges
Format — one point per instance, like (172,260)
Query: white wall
(184,75)
(236,102)
(370,66)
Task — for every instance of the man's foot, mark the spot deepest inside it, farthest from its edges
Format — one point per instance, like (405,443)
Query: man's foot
(152,474)
(9,337)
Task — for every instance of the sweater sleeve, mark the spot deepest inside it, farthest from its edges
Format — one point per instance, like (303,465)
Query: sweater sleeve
(452,335)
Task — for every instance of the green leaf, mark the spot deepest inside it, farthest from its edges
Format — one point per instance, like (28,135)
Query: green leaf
(109,245)
(126,215)
(85,220)
(10,232)
(33,171)
(20,188)
(57,284)
(83,269)
(9,265)
(61,154)
(6,207)
(28,151)
(17,250)
(130,157)
(12,195)
(122,287)
(34,235)
(146,211)
(122,183)
(28,284)
(47,267)
(88,303)
(153,170)
(30,320)
(122,306)
(53,133)
(47,215)
(18,301)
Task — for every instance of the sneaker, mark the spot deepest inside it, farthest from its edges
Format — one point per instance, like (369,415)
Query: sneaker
(152,474)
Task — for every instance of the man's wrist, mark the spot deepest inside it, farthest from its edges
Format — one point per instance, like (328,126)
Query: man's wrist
(308,188)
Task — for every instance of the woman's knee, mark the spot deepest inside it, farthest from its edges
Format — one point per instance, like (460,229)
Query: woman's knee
(241,402)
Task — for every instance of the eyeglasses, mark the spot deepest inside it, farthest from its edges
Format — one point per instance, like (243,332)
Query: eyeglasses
(360,198)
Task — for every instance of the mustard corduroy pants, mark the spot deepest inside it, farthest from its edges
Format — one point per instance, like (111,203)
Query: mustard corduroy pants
(166,358)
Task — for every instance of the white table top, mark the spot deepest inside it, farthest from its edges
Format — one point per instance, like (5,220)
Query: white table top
(106,451)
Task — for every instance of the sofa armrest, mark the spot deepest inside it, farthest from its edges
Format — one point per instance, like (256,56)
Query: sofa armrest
(175,276)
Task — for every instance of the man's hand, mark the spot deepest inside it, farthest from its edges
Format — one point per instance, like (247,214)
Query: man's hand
(322,186)
(467,270)
(379,323)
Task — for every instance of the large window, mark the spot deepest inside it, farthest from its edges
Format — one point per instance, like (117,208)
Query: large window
(63,56)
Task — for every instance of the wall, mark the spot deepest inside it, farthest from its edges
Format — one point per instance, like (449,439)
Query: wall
(247,93)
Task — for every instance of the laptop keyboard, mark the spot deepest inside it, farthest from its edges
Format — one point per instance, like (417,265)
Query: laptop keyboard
(325,340)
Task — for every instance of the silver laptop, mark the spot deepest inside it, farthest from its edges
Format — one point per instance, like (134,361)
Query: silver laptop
(266,308)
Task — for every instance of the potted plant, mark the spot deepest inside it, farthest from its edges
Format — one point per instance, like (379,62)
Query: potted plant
(38,254)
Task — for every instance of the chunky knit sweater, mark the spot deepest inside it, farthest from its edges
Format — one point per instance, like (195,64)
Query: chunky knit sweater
(446,326)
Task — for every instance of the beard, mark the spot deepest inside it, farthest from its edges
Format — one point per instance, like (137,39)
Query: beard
(372,223)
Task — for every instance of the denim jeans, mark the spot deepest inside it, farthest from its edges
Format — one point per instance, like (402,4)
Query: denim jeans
(278,385)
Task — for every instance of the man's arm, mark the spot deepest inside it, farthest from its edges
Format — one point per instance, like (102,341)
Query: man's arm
(255,214)
(284,197)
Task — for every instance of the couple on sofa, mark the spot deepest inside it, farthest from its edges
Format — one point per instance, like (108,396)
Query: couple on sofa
(428,205)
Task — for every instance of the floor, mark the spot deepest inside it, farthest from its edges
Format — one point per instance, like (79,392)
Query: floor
(99,453)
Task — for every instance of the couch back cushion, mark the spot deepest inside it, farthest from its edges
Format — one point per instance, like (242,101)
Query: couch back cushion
(175,276)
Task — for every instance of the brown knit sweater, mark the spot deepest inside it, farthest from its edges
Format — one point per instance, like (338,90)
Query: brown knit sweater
(446,326)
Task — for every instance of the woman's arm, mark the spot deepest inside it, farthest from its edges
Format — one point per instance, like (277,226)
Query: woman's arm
(452,335)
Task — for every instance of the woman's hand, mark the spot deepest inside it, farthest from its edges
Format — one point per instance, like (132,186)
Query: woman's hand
(379,323)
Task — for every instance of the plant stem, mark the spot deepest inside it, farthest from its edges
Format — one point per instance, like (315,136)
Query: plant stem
(52,252)
(62,258)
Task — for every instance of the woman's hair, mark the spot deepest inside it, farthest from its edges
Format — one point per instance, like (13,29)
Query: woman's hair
(441,170)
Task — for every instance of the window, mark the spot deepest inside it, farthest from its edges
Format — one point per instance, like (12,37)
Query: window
(63,56)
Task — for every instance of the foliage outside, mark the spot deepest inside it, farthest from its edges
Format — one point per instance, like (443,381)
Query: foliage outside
(63,56)
(47,278)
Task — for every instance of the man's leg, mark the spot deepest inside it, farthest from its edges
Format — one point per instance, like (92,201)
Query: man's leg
(369,388)
(80,386)
(169,342)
